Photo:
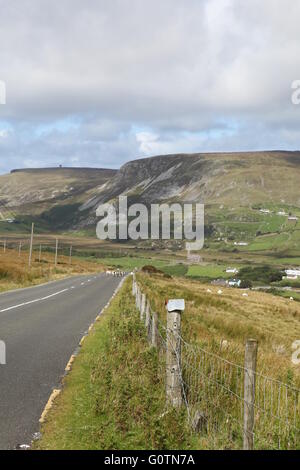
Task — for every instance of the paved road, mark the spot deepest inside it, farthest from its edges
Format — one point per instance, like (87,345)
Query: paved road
(41,327)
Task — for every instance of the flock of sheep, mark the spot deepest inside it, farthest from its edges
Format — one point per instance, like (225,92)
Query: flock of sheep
(116,273)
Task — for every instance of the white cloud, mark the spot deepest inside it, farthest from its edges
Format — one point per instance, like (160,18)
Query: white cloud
(197,75)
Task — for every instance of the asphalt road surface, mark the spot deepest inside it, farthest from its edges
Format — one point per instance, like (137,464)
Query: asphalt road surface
(41,327)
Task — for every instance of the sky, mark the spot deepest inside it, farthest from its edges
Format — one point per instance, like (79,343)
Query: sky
(97,82)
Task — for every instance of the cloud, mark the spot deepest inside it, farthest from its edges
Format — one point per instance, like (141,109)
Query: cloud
(98,82)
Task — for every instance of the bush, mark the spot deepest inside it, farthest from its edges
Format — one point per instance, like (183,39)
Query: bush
(245,284)
(265,274)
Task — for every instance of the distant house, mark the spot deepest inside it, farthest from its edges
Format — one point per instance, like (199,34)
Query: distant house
(241,243)
(219,282)
(234,282)
(281,213)
(265,211)
(292,274)
(195,259)
(293,217)
(232,270)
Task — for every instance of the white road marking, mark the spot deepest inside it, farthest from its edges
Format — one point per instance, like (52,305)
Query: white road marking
(32,301)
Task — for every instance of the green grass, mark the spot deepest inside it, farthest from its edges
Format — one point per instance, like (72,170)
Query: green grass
(128,263)
(114,397)
(176,270)
(209,271)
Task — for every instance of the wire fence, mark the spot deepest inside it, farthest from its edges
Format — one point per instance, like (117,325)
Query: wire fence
(216,393)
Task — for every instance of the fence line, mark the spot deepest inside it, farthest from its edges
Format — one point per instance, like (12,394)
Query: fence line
(232,405)
(24,246)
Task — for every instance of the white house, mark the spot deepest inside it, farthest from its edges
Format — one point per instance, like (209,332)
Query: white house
(234,282)
(265,211)
(292,273)
(232,270)
(292,217)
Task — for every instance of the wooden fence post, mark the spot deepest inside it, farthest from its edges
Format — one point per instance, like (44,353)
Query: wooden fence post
(154,332)
(148,319)
(249,393)
(142,306)
(133,284)
(173,353)
(147,314)
(137,297)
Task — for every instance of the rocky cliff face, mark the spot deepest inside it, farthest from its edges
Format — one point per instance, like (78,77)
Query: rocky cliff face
(225,178)
(229,179)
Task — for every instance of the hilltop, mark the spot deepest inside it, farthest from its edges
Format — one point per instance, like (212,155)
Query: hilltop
(242,178)
(43,192)
(247,195)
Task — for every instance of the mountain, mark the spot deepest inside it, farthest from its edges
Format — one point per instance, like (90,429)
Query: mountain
(233,186)
(215,178)
(43,192)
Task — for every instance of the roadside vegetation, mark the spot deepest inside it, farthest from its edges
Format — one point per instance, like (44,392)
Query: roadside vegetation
(114,397)
(211,317)
(15,272)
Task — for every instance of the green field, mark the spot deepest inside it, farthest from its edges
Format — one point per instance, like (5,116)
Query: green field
(128,263)
(209,271)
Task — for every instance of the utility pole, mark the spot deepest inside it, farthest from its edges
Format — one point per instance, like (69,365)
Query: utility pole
(31,244)
(40,253)
(56,249)
(4,246)
(20,247)
(71,254)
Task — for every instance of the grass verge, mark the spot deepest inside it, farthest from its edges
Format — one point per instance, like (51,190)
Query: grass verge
(114,397)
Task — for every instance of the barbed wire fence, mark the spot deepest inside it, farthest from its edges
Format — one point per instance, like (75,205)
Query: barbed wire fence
(231,406)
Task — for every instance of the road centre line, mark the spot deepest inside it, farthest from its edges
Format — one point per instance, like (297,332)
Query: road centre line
(33,301)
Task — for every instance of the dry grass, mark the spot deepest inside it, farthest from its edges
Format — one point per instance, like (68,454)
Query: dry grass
(15,273)
(210,317)
(212,374)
